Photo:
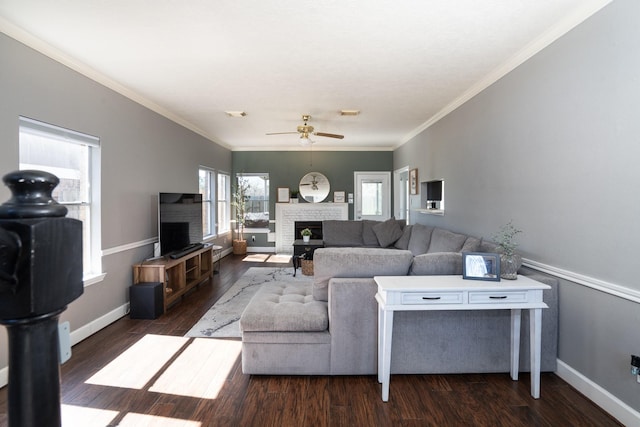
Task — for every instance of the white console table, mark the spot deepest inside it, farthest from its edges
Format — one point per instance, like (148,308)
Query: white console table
(413,293)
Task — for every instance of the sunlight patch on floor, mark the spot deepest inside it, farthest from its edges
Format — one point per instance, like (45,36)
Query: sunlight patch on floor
(78,416)
(280,258)
(135,367)
(201,370)
(143,420)
(256,258)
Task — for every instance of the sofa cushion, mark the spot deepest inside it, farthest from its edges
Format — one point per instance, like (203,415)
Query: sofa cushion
(420,239)
(285,307)
(342,233)
(403,241)
(441,263)
(387,232)
(446,241)
(356,262)
(368,235)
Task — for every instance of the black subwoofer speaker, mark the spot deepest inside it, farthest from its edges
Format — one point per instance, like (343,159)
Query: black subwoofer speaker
(146,300)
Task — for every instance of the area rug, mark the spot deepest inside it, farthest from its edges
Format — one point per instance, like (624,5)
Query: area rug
(222,319)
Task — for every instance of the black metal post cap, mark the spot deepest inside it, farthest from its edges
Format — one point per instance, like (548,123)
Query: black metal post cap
(31,190)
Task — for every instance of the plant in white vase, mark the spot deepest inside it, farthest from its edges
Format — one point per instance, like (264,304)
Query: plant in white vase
(306,234)
(510,261)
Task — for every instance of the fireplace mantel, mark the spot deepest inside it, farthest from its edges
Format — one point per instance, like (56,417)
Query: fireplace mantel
(288,213)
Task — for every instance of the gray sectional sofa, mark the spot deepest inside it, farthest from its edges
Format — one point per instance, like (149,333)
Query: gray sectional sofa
(329,327)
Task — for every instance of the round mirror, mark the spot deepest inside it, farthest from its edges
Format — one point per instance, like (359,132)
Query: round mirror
(314,187)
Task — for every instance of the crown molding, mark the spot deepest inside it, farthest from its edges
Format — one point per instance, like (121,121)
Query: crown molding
(46,49)
(545,39)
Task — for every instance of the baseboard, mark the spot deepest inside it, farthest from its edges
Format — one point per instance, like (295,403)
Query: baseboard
(101,322)
(601,397)
(81,333)
(261,249)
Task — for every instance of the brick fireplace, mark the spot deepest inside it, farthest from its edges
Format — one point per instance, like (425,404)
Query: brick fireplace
(288,213)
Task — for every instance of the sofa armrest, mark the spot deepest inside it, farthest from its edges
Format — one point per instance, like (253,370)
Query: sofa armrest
(353,323)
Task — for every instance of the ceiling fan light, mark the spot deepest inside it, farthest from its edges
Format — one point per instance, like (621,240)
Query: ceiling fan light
(304,140)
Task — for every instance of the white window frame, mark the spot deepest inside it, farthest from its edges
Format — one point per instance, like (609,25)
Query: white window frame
(258,174)
(223,202)
(93,272)
(210,199)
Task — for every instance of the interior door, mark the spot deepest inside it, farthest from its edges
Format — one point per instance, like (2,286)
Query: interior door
(372,198)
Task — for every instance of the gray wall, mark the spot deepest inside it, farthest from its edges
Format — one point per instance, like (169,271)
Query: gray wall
(143,153)
(554,147)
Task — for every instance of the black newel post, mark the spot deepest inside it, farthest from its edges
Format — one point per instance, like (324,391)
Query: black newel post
(40,274)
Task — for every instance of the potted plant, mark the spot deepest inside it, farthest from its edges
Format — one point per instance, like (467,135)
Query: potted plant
(510,261)
(294,196)
(306,234)
(239,202)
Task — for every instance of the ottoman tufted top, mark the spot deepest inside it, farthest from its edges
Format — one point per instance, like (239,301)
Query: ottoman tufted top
(285,307)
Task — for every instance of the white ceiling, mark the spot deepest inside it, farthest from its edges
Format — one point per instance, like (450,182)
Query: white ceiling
(402,63)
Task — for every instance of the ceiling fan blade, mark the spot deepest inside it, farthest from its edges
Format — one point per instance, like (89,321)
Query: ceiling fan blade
(329,135)
(280,133)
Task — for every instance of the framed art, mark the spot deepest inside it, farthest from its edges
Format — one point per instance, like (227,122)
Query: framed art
(481,266)
(413,181)
(283,194)
(338,197)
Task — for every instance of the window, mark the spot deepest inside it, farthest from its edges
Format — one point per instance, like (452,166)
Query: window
(257,215)
(224,203)
(207,180)
(75,159)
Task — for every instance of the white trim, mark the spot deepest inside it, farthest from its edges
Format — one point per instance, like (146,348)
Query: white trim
(4,376)
(46,49)
(597,284)
(101,322)
(93,279)
(601,397)
(81,333)
(552,34)
(129,246)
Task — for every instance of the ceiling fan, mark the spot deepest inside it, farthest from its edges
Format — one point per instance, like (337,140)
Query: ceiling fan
(305,130)
(313,183)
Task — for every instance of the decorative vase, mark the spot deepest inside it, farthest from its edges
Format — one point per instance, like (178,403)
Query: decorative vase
(509,265)
(306,239)
(239,247)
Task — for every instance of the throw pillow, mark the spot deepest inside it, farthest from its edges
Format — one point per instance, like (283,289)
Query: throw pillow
(446,241)
(368,235)
(403,242)
(472,244)
(387,232)
(420,238)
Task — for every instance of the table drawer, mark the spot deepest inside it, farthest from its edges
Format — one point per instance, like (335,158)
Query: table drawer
(432,298)
(505,297)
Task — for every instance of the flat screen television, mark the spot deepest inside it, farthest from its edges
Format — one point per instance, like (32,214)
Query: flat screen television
(434,191)
(179,221)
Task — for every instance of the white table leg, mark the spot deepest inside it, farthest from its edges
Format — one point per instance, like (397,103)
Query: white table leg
(515,342)
(535,326)
(380,339)
(386,352)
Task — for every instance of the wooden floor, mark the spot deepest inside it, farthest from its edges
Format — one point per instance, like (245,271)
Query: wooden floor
(235,399)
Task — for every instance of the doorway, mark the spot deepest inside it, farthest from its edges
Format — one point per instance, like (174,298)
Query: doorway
(372,196)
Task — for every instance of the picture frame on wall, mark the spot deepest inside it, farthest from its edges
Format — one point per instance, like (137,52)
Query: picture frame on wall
(413,181)
(481,266)
(338,197)
(283,195)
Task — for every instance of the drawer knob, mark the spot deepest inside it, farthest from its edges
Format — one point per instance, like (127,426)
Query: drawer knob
(500,297)
(431,298)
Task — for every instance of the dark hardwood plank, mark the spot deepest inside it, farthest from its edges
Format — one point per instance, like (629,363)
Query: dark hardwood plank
(243,400)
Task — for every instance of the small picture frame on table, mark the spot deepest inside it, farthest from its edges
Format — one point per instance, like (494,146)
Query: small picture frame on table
(338,197)
(481,266)
(283,195)
(413,181)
